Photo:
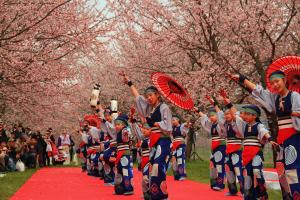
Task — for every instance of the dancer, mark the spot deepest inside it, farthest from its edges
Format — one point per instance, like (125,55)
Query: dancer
(158,116)
(178,148)
(108,157)
(286,105)
(143,149)
(255,136)
(83,145)
(230,131)
(124,172)
(93,151)
(218,148)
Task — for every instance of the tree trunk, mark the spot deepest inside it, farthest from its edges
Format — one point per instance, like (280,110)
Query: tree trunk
(190,142)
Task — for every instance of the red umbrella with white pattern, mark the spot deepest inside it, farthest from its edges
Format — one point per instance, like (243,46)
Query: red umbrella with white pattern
(290,65)
(172,90)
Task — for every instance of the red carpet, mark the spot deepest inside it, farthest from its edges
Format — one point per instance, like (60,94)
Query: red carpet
(71,184)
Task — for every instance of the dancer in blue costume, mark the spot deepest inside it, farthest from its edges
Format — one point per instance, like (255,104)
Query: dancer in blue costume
(159,117)
(286,105)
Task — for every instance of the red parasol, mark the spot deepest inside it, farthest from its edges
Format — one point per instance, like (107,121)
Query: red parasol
(172,90)
(290,65)
(93,120)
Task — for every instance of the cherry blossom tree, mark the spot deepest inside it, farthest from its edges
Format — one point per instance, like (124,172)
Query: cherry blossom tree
(192,39)
(45,51)
(198,42)
(51,53)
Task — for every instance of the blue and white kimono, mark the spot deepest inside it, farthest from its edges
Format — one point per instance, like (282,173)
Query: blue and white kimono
(143,162)
(109,167)
(124,164)
(233,161)
(110,150)
(288,159)
(160,143)
(254,138)
(93,152)
(83,150)
(218,153)
(178,151)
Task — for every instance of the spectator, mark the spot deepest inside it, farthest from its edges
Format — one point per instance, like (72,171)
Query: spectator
(61,156)
(48,148)
(26,147)
(8,161)
(72,149)
(65,141)
(41,149)
(31,153)
(3,158)
(12,148)
(18,130)
(52,138)
(3,136)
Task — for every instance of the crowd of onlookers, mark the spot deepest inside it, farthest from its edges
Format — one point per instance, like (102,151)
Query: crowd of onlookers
(22,148)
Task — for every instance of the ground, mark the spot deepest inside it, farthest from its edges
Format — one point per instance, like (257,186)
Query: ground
(11,182)
(197,171)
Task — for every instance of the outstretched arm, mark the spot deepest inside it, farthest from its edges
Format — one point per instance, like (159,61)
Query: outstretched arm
(243,80)
(142,105)
(198,112)
(128,82)
(265,97)
(227,102)
(206,124)
(213,103)
(264,135)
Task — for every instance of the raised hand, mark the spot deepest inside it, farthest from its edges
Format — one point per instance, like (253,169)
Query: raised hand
(211,101)
(223,94)
(243,81)
(132,110)
(128,82)
(225,97)
(196,110)
(125,77)
(97,86)
(234,77)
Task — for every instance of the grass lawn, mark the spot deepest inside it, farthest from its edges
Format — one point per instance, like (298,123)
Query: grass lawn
(12,181)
